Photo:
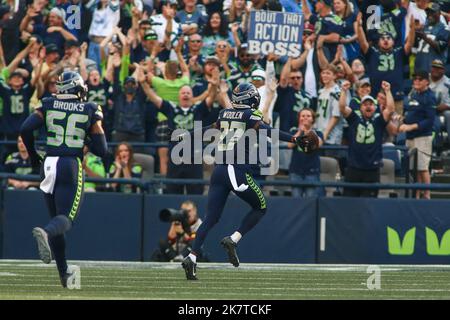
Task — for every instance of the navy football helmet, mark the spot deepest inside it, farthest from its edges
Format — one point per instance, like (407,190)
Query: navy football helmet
(71,83)
(245,95)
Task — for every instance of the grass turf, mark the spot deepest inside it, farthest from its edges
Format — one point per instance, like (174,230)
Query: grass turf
(109,280)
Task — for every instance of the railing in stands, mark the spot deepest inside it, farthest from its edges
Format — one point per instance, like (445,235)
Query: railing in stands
(410,173)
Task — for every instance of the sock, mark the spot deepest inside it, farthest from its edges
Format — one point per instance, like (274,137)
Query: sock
(193,257)
(236,236)
(251,220)
(58,226)
(58,245)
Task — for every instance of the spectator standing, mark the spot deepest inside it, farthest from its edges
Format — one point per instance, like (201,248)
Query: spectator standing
(391,20)
(440,85)
(166,28)
(55,32)
(241,70)
(105,17)
(191,18)
(182,116)
(216,29)
(305,167)
(115,44)
(194,58)
(16,97)
(385,61)
(433,39)
(10,18)
(130,110)
(291,97)
(345,10)
(329,27)
(329,118)
(309,65)
(169,86)
(367,127)
(418,125)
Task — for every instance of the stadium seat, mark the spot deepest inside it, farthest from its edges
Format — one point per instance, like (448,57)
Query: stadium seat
(329,171)
(148,165)
(387,175)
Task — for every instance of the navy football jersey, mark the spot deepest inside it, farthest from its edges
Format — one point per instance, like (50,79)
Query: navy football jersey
(386,66)
(366,138)
(236,144)
(67,124)
(16,107)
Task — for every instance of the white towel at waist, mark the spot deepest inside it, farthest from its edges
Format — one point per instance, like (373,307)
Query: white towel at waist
(48,184)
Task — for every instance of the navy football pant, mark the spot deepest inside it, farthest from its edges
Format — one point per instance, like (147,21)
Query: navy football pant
(226,178)
(63,205)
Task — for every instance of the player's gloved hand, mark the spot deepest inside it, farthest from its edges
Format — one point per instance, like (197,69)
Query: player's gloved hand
(308,142)
(36,159)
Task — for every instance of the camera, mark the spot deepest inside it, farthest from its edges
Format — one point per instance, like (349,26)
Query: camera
(173,215)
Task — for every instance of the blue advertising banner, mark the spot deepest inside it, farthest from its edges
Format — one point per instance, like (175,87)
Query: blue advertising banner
(286,234)
(384,231)
(275,32)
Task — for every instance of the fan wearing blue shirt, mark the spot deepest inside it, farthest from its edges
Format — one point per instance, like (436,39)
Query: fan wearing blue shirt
(385,61)
(305,167)
(365,154)
(328,26)
(420,112)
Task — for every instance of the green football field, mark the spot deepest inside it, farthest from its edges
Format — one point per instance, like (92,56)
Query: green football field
(124,280)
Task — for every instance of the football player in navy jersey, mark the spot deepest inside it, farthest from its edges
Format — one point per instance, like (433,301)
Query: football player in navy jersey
(234,175)
(68,121)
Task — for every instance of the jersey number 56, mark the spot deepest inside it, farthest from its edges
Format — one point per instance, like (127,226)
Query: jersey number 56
(72,136)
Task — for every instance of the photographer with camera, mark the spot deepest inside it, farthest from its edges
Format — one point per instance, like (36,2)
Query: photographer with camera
(184,224)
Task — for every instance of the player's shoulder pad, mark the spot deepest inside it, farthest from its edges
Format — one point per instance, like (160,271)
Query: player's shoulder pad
(47,100)
(256,115)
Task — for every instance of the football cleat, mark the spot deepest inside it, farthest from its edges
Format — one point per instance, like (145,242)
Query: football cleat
(230,247)
(72,278)
(45,253)
(190,268)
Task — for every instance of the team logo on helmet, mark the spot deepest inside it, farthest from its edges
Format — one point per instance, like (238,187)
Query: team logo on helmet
(245,95)
(71,83)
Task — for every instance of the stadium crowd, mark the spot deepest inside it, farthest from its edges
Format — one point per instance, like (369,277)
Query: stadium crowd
(155,66)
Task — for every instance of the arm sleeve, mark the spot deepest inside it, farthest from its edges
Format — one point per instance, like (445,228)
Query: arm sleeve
(98,144)
(284,136)
(33,122)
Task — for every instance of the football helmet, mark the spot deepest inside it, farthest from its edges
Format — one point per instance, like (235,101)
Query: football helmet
(245,95)
(71,83)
